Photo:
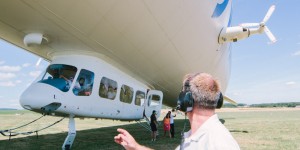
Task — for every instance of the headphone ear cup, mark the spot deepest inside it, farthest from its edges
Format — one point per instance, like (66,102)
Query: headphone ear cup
(181,95)
(220,101)
(188,101)
(180,101)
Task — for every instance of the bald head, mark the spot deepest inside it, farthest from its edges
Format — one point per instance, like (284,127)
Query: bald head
(205,82)
(205,90)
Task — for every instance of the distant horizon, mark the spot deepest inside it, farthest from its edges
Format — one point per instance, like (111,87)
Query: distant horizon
(8,108)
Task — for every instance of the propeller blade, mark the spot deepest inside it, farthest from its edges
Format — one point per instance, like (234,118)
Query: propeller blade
(247,25)
(269,13)
(269,34)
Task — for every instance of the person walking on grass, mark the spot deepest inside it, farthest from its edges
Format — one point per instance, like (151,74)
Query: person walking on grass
(172,130)
(167,124)
(153,125)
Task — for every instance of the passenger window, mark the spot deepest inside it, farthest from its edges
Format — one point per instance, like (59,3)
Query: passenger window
(153,100)
(108,88)
(84,83)
(139,98)
(126,94)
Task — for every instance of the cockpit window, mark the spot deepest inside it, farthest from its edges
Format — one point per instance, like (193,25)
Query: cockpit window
(60,76)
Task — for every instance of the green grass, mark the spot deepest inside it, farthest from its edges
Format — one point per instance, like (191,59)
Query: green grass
(267,130)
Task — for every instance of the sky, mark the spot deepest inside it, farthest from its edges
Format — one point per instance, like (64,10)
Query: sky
(260,72)
(263,72)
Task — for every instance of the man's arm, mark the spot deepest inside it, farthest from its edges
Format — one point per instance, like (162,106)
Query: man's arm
(61,76)
(127,141)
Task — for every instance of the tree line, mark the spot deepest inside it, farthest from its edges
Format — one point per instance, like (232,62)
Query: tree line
(263,105)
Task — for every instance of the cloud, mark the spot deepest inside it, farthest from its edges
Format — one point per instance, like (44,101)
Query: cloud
(13,100)
(7,84)
(6,76)
(26,65)
(18,81)
(10,68)
(10,83)
(290,83)
(16,105)
(237,93)
(296,53)
(11,103)
(35,73)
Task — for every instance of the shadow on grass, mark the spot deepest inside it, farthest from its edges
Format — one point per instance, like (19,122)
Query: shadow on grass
(243,131)
(100,138)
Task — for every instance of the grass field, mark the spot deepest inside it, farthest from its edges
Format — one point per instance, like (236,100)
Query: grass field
(259,129)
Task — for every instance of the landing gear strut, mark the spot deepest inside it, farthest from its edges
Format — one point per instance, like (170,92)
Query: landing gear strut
(71,134)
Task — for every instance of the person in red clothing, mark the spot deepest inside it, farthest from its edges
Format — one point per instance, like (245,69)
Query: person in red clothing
(167,124)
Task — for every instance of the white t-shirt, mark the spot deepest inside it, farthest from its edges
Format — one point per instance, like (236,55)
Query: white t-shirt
(171,119)
(212,135)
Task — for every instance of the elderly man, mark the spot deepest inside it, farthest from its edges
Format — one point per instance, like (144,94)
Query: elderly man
(206,132)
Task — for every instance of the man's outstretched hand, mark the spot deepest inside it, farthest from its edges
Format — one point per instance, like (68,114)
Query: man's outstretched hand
(127,141)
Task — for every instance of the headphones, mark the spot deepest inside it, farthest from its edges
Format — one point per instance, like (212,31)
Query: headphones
(185,100)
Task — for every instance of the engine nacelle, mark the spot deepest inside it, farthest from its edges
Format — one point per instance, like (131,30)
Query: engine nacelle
(233,34)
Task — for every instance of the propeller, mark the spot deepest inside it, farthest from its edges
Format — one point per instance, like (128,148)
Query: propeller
(262,25)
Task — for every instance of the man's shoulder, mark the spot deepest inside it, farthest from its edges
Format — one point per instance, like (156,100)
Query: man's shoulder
(218,129)
(221,137)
